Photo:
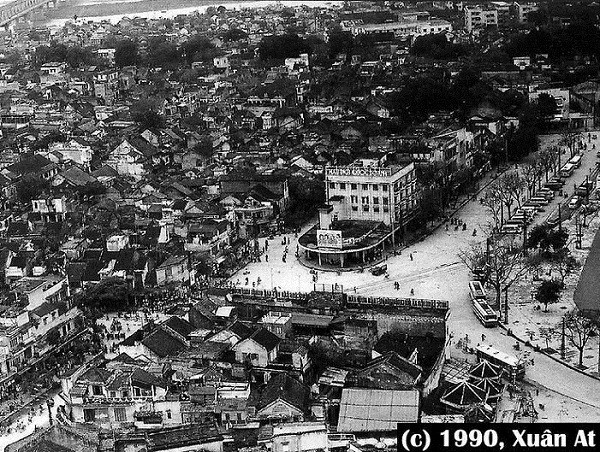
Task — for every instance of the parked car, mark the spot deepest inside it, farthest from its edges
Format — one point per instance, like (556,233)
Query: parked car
(575,202)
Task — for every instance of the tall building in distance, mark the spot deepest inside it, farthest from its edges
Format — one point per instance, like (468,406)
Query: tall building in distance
(480,17)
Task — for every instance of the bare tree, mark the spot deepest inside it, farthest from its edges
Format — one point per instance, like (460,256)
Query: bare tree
(564,263)
(503,262)
(547,158)
(530,176)
(570,138)
(492,199)
(579,329)
(511,186)
(548,334)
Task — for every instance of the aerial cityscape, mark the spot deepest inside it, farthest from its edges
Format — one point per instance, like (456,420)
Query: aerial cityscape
(293,226)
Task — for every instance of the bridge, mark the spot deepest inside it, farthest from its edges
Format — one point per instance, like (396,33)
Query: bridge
(11,12)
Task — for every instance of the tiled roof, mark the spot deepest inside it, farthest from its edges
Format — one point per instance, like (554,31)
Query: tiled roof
(163,344)
(265,338)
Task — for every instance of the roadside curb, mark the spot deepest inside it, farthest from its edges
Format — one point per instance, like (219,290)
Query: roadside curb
(558,360)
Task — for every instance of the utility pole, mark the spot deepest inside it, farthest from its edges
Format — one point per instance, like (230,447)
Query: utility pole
(559,217)
(506,306)
(562,341)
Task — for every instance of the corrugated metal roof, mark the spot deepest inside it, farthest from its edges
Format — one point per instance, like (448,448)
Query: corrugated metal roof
(373,410)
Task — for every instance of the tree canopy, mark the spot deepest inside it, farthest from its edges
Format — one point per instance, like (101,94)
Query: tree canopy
(126,53)
(280,47)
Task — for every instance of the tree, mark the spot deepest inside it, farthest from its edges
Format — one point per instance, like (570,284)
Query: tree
(557,239)
(530,175)
(53,338)
(198,48)
(144,113)
(280,47)
(570,138)
(548,334)
(109,295)
(564,263)
(547,158)
(234,34)
(510,187)
(340,42)
(579,329)
(436,46)
(163,54)
(547,105)
(537,236)
(492,199)
(548,292)
(503,262)
(31,187)
(126,53)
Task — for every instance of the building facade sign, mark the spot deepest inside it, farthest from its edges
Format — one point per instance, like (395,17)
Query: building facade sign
(359,171)
(329,239)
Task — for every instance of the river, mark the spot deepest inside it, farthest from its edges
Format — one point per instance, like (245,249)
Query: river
(96,10)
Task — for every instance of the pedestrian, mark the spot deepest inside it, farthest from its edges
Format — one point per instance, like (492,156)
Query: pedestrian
(411,257)
(354,289)
(266,258)
(412,292)
(483,338)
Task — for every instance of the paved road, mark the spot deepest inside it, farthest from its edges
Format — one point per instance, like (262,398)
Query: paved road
(436,272)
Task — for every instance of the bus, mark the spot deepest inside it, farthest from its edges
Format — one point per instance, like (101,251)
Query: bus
(567,170)
(512,367)
(486,315)
(477,290)
(576,160)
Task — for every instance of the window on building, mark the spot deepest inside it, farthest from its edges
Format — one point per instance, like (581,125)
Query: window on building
(354,208)
(169,414)
(354,199)
(97,390)
(332,185)
(342,186)
(89,415)
(386,209)
(112,394)
(365,208)
(375,187)
(384,187)
(353,186)
(120,414)
(375,200)
(365,186)
(385,201)
(365,200)
(125,394)
(227,417)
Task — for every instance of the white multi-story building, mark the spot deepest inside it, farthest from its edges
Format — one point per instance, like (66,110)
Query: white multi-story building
(404,29)
(523,10)
(480,17)
(367,190)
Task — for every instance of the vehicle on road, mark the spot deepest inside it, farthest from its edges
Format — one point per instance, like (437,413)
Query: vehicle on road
(482,310)
(511,229)
(540,200)
(575,202)
(379,270)
(576,160)
(567,170)
(512,367)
